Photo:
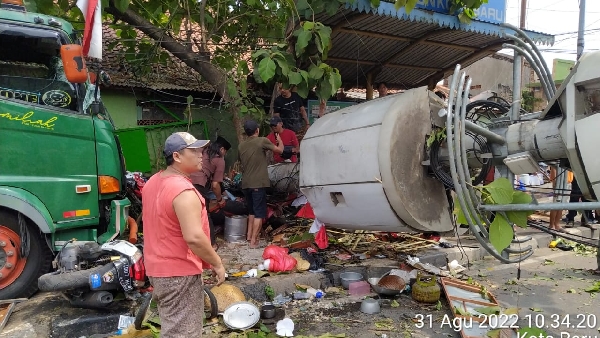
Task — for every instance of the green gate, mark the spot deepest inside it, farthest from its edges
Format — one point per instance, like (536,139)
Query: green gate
(143,146)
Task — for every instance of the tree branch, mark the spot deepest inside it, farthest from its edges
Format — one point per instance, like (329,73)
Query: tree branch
(211,73)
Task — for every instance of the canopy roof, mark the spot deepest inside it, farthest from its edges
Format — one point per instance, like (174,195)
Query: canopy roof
(411,50)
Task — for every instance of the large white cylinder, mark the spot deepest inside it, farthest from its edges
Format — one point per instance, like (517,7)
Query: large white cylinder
(362,168)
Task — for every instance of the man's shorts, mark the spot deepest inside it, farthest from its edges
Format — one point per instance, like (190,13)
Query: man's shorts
(256,202)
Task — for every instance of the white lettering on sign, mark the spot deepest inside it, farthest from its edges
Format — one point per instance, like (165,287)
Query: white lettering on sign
(486,13)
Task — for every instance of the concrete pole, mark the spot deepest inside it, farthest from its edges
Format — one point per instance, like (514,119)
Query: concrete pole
(581,31)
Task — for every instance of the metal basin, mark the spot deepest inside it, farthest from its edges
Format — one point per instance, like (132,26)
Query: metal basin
(350,277)
(380,290)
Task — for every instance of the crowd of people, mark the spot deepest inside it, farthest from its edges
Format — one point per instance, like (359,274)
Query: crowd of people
(178,202)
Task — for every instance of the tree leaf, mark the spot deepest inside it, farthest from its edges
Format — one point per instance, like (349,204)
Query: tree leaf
(121,5)
(243,109)
(315,72)
(488,310)
(511,311)
(303,40)
(501,234)
(308,25)
(259,53)
(460,215)
(302,89)
(501,191)
(251,2)
(295,78)
(536,309)
(282,63)
(302,5)
(520,197)
(231,88)
(410,5)
(518,217)
(375,3)
(266,69)
(399,4)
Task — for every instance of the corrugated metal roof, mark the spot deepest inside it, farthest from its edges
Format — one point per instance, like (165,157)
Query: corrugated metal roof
(408,50)
(173,75)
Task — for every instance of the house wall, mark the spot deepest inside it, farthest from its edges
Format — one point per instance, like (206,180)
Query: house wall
(122,104)
(495,73)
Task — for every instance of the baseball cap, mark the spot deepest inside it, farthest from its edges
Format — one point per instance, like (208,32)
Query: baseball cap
(250,127)
(181,140)
(275,120)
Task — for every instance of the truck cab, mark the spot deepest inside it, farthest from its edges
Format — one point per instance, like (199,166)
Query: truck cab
(61,166)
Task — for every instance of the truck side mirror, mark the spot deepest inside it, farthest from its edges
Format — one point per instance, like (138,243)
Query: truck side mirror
(74,63)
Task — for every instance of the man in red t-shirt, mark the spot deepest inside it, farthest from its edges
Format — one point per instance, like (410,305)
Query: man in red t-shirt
(291,147)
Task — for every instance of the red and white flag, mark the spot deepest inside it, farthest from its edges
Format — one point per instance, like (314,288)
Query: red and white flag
(92,35)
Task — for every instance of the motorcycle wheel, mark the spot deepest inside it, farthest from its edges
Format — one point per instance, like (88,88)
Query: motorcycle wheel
(20,274)
(53,281)
(211,308)
(141,315)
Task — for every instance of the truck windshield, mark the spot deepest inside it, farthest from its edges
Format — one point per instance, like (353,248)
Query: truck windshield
(31,69)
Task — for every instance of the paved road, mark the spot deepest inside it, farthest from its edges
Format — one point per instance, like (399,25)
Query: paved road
(552,284)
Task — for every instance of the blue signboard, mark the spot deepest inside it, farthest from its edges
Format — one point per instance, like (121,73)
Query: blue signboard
(494,11)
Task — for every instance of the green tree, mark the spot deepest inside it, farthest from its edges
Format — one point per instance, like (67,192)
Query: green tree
(287,44)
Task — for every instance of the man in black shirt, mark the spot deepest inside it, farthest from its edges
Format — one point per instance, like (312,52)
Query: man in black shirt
(290,107)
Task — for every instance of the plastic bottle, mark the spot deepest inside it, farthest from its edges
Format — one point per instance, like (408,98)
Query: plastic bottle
(301,295)
(315,293)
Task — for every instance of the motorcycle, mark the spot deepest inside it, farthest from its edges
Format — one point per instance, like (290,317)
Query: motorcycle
(90,275)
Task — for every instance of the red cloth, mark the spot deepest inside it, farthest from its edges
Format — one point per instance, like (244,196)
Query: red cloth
(321,238)
(288,138)
(280,260)
(166,254)
(306,212)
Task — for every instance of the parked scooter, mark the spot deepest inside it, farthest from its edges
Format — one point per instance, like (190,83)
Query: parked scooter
(90,275)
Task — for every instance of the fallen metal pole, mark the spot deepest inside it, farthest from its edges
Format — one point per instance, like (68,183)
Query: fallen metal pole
(543,206)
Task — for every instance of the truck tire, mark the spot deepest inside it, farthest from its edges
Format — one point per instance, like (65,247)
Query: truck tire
(65,281)
(20,274)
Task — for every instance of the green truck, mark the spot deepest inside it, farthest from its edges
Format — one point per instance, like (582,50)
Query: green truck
(61,165)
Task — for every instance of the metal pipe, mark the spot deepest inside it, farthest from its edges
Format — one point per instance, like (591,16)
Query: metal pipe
(545,86)
(463,167)
(581,30)
(515,107)
(536,61)
(457,186)
(533,46)
(543,206)
(475,128)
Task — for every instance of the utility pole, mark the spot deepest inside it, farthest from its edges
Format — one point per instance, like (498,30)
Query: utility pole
(581,31)
(523,13)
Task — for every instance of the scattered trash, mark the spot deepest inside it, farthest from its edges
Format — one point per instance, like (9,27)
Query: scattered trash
(285,328)
(359,288)
(415,263)
(281,300)
(280,261)
(251,273)
(125,322)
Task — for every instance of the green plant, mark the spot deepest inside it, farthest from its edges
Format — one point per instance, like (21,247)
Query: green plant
(270,292)
(528,100)
(500,191)
(466,9)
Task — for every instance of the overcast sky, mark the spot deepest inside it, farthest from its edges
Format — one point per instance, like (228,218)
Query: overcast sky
(558,17)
